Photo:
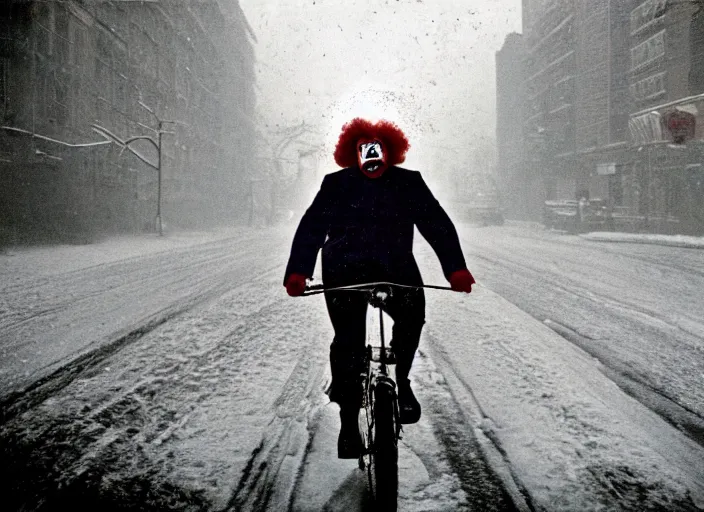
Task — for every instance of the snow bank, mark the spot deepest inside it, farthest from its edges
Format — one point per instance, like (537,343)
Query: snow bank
(689,242)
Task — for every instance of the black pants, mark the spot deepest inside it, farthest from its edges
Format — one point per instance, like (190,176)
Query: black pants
(348,314)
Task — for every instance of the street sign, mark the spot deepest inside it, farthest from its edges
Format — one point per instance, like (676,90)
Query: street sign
(681,125)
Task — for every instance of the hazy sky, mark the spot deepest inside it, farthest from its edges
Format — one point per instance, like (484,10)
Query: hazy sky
(426,64)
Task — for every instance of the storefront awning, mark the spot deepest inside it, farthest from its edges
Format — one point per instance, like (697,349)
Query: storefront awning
(647,126)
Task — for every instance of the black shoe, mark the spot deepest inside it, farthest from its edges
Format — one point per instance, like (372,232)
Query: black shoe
(408,406)
(349,442)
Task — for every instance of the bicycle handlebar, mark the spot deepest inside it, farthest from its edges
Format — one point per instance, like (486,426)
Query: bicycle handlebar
(320,288)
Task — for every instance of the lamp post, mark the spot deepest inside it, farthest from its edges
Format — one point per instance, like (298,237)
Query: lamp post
(160,134)
(157,144)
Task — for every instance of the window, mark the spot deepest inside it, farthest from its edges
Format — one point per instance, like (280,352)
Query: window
(60,110)
(121,92)
(4,86)
(648,50)
(562,92)
(646,14)
(648,87)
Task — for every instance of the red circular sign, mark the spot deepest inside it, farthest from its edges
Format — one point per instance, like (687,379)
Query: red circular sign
(681,125)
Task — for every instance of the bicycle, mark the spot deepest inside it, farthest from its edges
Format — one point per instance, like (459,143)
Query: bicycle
(380,426)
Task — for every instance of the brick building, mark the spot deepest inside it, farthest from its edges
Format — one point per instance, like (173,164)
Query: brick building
(604,75)
(578,93)
(664,185)
(65,66)
(601,99)
(551,68)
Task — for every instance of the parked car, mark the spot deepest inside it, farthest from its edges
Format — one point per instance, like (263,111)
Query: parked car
(481,208)
(561,214)
(484,207)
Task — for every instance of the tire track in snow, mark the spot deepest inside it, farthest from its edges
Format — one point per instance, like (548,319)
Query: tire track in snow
(98,281)
(653,387)
(661,402)
(466,407)
(269,480)
(668,265)
(138,424)
(577,289)
(656,400)
(440,464)
(31,283)
(584,273)
(590,471)
(18,402)
(644,253)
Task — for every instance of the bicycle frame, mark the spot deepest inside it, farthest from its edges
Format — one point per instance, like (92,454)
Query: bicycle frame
(377,300)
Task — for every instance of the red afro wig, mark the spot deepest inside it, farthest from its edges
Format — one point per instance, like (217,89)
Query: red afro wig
(391,137)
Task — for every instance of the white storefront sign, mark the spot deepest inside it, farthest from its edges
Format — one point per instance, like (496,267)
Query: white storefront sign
(606,169)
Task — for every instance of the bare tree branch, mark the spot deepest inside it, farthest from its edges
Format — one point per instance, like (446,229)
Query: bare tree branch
(55,141)
(107,133)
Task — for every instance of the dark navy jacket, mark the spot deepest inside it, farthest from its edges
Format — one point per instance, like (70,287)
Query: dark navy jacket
(365,228)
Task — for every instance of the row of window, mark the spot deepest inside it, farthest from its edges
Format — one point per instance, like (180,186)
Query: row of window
(647,51)
(647,13)
(562,91)
(648,88)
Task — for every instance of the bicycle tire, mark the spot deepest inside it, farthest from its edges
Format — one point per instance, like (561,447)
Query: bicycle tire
(383,470)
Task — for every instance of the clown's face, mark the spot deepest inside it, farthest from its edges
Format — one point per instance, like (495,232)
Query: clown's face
(371,158)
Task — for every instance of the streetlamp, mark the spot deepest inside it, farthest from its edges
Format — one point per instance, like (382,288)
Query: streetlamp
(157,145)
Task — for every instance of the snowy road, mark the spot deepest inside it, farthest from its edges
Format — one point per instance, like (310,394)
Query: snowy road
(636,308)
(56,304)
(200,386)
(177,374)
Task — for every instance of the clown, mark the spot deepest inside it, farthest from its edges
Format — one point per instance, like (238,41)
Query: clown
(363,219)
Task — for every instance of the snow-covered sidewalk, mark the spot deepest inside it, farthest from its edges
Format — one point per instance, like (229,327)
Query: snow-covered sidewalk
(689,242)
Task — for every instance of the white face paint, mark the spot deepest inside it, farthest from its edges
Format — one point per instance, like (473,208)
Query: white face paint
(371,156)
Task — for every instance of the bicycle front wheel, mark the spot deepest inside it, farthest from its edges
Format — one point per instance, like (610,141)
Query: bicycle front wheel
(383,468)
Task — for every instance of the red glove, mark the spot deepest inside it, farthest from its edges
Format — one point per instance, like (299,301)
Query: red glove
(296,285)
(462,281)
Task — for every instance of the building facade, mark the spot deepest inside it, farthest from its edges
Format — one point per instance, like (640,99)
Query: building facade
(68,67)
(549,125)
(601,100)
(663,185)
(519,192)
(606,78)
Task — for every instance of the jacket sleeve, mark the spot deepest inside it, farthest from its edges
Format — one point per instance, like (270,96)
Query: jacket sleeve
(311,234)
(436,227)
